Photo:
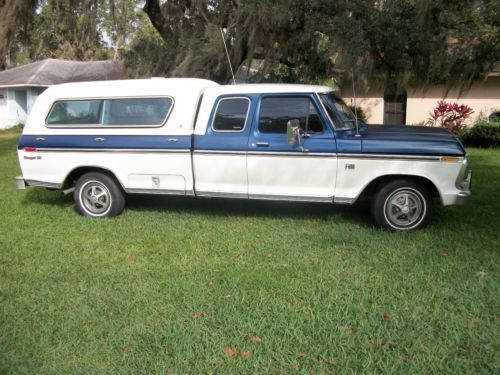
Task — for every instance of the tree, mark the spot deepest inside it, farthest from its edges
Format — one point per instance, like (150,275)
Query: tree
(418,42)
(15,15)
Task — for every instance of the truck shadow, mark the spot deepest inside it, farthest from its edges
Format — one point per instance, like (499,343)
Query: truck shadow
(359,212)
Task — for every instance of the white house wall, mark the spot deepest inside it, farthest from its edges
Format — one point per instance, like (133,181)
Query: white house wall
(483,98)
(16,105)
(17,112)
(4,110)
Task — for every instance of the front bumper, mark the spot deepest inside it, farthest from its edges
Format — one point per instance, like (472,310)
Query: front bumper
(20,183)
(465,187)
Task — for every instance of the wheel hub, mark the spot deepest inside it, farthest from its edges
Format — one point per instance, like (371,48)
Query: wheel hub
(404,208)
(95,197)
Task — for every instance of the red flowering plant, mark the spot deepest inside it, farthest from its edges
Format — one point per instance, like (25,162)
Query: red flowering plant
(450,115)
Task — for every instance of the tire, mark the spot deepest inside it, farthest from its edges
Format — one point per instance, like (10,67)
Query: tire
(402,205)
(98,195)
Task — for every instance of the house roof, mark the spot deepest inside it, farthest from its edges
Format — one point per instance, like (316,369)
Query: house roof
(50,72)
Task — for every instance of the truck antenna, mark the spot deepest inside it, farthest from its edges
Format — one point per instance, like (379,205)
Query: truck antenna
(355,106)
(227,54)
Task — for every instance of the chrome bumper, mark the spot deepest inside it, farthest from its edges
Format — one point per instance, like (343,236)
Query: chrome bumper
(465,189)
(20,183)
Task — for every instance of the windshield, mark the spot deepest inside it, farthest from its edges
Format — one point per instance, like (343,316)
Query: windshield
(339,112)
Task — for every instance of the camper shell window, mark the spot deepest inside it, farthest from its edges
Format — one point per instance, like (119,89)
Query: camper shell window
(118,112)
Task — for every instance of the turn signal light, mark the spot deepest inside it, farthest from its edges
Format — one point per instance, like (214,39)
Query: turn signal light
(450,159)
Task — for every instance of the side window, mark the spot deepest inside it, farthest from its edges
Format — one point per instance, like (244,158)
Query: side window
(110,112)
(81,112)
(139,111)
(231,114)
(276,112)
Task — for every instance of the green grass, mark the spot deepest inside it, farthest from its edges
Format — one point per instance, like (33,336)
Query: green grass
(171,283)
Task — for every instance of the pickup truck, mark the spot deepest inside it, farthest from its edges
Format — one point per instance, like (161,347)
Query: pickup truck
(193,137)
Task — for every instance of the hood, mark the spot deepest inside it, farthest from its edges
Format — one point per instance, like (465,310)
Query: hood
(407,139)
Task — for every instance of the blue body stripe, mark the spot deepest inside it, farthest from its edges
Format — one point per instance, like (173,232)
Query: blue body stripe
(151,142)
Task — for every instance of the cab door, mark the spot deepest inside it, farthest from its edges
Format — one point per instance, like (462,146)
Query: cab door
(280,170)
(219,158)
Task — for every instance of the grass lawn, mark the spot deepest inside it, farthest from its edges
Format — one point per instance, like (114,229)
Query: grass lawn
(227,287)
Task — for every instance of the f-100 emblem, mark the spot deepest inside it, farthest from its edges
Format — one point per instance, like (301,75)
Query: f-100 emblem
(350,166)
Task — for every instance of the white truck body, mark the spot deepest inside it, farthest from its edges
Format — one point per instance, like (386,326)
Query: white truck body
(184,154)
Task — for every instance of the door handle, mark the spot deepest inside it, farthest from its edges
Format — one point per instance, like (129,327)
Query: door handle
(99,139)
(262,144)
(40,139)
(172,140)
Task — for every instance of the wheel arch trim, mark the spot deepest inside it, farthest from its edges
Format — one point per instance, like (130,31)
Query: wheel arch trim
(81,170)
(372,186)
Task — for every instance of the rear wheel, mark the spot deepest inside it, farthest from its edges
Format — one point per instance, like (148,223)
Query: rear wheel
(402,205)
(98,195)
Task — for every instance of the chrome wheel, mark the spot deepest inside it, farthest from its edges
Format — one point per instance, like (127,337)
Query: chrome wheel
(95,198)
(405,208)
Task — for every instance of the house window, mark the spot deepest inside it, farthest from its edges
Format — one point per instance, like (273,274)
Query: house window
(395,107)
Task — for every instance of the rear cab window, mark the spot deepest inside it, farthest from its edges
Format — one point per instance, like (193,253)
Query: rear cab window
(112,112)
(231,114)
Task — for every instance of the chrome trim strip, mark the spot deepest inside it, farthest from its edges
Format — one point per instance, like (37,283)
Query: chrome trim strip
(250,153)
(264,153)
(134,150)
(158,191)
(343,200)
(323,154)
(390,157)
(294,198)
(221,194)
(295,154)
(218,152)
(51,185)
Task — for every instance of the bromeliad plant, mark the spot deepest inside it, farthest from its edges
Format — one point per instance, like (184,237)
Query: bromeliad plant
(450,115)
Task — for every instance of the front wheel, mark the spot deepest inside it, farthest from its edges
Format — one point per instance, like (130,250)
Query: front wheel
(98,195)
(402,205)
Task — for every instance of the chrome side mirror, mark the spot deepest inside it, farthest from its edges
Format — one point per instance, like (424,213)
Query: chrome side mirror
(292,131)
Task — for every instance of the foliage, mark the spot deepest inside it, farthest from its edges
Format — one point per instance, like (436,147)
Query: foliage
(76,29)
(289,40)
(15,16)
(16,129)
(359,112)
(483,134)
(177,285)
(437,41)
(450,116)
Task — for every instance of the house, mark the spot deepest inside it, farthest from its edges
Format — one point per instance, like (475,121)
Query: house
(19,87)
(412,106)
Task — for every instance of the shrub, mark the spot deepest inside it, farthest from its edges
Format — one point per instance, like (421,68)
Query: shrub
(13,129)
(483,134)
(359,112)
(450,116)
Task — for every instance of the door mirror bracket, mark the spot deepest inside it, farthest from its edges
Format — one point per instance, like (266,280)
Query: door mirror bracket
(294,134)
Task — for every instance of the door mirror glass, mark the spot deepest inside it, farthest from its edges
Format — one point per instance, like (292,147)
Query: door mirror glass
(292,131)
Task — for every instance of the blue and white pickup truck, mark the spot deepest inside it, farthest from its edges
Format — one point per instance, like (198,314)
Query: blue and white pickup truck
(193,137)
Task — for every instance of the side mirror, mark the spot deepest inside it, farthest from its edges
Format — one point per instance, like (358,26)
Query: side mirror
(292,131)
(294,134)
